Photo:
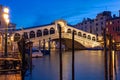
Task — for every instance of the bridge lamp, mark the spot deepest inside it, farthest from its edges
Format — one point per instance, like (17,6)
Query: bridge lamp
(6,15)
(7,20)
(11,38)
(6,10)
(113,41)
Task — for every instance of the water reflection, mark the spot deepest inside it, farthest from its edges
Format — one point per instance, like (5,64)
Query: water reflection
(117,62)
(89,65)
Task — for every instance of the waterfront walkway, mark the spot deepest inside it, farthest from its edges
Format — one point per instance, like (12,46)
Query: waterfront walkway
(10,77)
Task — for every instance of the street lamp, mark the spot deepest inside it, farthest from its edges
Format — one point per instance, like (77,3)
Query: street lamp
(11,40)
(6,18)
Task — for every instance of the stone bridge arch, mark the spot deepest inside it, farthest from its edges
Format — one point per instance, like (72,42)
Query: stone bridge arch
(82,38)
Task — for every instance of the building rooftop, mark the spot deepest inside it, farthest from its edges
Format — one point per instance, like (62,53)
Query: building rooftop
(104,13)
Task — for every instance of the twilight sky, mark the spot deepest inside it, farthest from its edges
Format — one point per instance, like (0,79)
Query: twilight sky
(26,13)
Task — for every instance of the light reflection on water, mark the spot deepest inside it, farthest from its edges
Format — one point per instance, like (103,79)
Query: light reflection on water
(89,65)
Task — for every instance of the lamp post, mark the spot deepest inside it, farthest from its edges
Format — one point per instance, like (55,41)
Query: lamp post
(11,40)
(6,18)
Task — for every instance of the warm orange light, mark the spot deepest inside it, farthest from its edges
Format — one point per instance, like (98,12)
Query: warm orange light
(113,41)
(12,38)
(6,10)
(6,16)
(7,21)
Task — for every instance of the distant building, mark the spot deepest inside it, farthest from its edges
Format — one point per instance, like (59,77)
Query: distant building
(113,27)
(96,25)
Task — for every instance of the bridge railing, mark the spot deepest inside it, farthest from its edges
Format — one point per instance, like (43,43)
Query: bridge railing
(85,41)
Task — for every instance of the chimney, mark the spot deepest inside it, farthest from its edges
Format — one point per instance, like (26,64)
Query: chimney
(114,16)
(119,13)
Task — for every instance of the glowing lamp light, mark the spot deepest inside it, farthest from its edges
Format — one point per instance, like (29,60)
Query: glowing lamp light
(12,38)
(6,10)
(7,21)
(6,16)
(113,41)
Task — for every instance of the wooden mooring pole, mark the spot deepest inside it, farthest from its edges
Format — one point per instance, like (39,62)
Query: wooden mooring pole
(39,44)
(49,45)
(43,46)
(110,59)
(73,71)
(21,45)
(60,53)
(105,57)
(30,48)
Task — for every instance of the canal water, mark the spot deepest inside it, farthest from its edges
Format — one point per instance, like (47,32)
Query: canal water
(89,65)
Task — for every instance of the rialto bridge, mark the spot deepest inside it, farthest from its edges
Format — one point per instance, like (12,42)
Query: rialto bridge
(40,34)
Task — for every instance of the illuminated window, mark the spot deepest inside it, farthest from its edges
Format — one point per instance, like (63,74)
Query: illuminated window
(106,29)
(110,22)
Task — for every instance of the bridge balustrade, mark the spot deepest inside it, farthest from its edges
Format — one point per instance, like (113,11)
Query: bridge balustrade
(52,32)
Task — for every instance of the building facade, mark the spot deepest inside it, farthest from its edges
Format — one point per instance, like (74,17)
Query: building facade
(95,26)
(113,27)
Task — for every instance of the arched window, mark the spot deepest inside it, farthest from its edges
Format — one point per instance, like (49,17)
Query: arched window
(75,33)
(79,34)
(16,37)
(32,34)
(93,38)
(84,35)
(25,35)
(45,32)
(89,37)
(52,30)
(69,31)
(39,33)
